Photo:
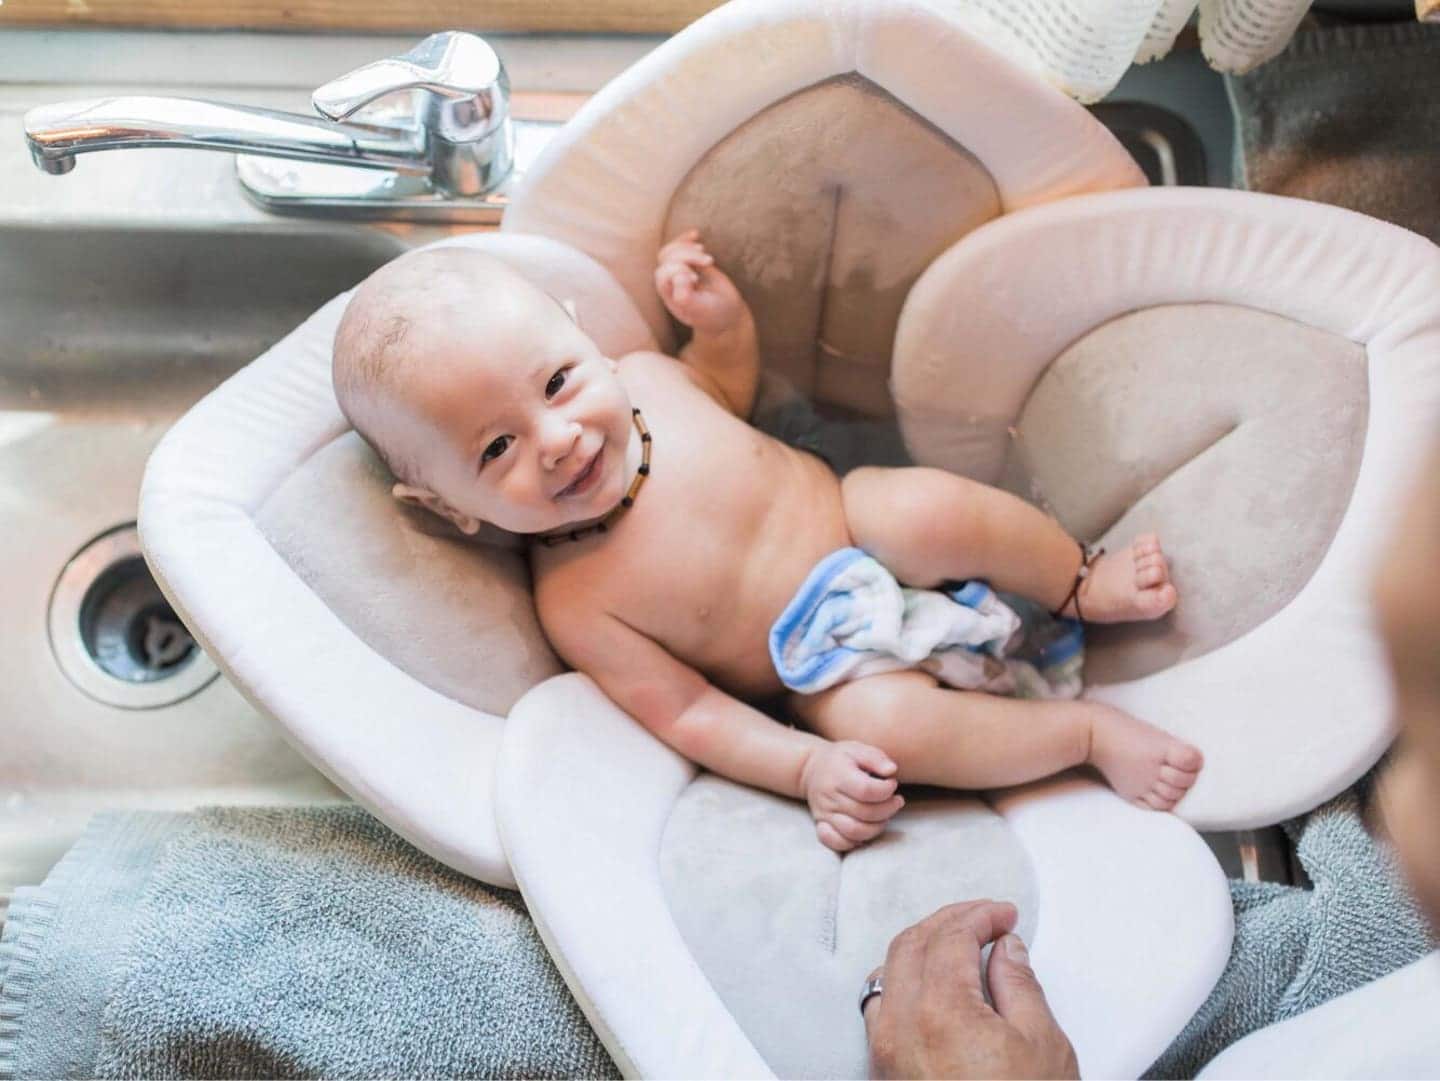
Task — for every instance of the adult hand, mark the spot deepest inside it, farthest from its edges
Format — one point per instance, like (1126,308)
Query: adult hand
(931,1019)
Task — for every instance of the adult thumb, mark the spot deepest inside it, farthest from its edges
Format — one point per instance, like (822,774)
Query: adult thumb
(1016,993)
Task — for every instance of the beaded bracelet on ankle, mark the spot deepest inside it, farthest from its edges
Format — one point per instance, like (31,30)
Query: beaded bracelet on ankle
(550,540)
(1088,556)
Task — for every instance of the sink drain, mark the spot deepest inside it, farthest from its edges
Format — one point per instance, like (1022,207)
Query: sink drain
(114,634)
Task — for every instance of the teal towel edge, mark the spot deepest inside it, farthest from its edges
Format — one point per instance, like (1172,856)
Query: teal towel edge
(27,927)
(30,926)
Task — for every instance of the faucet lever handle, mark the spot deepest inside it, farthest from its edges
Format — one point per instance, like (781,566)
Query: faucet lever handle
(453,65)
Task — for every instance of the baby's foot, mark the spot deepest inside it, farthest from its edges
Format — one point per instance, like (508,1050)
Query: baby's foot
(1126,585)
(1144,764)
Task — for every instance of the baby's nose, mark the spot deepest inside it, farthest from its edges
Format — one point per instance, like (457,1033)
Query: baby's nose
(558,441)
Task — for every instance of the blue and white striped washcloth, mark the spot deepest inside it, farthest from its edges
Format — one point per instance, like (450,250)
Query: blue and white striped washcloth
(851,618)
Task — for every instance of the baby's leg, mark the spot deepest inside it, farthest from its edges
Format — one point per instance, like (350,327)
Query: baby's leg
(930,526)
(970,740)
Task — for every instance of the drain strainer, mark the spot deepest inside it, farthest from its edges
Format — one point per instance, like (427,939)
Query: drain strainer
(114,634)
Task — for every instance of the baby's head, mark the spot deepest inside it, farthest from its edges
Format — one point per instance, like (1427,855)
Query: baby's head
(482,395)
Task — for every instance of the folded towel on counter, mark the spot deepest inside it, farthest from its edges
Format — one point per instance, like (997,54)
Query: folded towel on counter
(277,942)
(1347,115)
(1296,948)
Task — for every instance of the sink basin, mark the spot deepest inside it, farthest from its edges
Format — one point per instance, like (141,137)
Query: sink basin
(145,321)
(110,335)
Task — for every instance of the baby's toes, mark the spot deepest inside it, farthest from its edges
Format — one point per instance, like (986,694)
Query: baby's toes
(1168,792)
(1151,573)
(1154,801)
(1182,762)
(1156,601)
(1145,544)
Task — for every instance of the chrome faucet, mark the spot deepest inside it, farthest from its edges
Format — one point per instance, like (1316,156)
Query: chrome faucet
(446,152)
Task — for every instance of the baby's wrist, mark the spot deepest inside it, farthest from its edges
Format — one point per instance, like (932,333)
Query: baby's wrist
(732,330)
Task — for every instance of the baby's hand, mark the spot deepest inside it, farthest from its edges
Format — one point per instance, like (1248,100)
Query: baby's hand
(851,791)
(696,291)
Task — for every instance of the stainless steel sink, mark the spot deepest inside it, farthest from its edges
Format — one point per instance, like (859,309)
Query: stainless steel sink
(110,334)
(143,321)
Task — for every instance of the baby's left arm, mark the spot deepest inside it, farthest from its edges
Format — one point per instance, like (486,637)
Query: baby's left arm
(723,349)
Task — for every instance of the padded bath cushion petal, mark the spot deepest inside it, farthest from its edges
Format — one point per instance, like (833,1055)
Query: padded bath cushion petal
(1130,913)
(1385,1029)
(606,182)
(388,655)
(1254,377)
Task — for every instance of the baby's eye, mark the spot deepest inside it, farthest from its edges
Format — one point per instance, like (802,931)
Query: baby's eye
(495,449)
(557,381)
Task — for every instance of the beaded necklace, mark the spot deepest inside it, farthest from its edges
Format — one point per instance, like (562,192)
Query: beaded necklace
(550,540)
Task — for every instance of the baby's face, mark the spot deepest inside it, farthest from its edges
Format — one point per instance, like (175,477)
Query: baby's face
(515,418)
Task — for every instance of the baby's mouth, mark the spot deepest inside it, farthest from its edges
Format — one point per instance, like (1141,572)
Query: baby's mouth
(583,480)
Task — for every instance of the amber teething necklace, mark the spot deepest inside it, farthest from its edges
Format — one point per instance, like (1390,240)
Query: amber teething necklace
(550,540)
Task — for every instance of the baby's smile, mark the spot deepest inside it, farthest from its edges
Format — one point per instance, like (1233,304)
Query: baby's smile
(588,477)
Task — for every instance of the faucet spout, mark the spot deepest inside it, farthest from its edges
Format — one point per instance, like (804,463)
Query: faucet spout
(56,133)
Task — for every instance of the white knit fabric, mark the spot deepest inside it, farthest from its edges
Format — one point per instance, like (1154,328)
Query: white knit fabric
(1084,46)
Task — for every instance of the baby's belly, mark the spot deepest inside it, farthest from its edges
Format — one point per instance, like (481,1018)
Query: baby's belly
(726,634)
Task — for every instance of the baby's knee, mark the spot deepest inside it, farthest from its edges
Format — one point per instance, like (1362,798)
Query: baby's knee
(878,502)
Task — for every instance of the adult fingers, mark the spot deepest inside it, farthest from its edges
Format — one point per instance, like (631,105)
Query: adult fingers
(870,1003)
(911,993)
(1020,1000)
(956,935)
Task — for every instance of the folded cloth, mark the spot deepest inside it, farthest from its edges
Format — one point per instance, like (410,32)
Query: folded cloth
(279,942)
(851,618)
(1347,115)
(1085,46)
(1296,948)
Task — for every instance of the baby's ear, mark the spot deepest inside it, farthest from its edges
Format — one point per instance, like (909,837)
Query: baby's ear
(571,310)
(435,504)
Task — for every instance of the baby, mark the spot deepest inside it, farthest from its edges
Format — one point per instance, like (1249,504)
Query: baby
(667,537)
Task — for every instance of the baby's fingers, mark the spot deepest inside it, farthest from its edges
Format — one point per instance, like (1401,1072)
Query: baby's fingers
(853,830)
(871,759)
(675,280)
(865,812)
(691,253)
(831,839)
(859,785)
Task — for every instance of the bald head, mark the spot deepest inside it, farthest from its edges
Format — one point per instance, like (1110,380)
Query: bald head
(400,314)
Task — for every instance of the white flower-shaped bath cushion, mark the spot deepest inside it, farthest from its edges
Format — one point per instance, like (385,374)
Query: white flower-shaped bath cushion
(1256,378)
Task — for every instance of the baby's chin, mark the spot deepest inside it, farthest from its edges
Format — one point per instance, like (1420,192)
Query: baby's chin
(587,514)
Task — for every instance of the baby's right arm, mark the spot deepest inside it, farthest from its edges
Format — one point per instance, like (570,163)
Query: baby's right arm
(678,705)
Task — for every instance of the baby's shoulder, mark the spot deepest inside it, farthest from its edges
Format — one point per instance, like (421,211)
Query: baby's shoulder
(648,362)
(655,371)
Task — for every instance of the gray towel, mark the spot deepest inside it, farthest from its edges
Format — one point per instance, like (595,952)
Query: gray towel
(279,942)
(1348,115)
(1296,948)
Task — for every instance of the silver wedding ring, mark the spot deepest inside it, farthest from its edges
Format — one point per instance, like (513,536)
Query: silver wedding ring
(873,986)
